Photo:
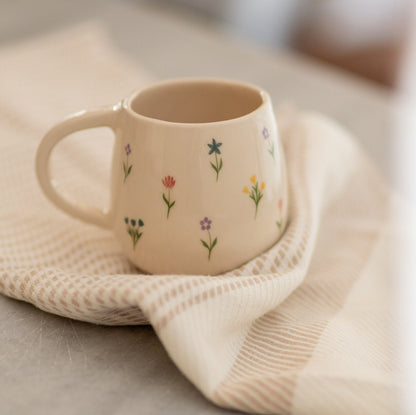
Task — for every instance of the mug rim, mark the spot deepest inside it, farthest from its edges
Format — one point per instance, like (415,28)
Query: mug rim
(126,103)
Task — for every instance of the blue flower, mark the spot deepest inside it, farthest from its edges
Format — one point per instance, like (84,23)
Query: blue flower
(214,147)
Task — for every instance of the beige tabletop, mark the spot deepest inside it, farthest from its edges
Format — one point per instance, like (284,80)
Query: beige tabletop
(49,364)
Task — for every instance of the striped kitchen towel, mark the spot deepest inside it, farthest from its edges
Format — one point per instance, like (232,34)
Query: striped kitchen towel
(304,328)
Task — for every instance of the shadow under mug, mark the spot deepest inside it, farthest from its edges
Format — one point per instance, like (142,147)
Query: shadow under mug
(198,183)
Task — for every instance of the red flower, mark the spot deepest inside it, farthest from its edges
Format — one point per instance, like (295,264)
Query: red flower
(168,182)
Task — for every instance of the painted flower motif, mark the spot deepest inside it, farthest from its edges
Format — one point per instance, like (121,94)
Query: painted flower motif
(280,207)
(126,167)
(133,230)
(205,224)
(169,183)
(266,135)
(209,245)
(214,148)
(255,191)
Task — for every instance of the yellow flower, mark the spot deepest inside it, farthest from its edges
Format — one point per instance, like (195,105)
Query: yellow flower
(263,185)
(253,178)
(245,190)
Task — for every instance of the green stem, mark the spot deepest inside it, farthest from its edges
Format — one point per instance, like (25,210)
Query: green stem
(216,163)
(257,199)
(210,246)
(167,216)
(135,239)
(126,169)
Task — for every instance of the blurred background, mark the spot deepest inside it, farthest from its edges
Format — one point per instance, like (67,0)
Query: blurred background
(367,38)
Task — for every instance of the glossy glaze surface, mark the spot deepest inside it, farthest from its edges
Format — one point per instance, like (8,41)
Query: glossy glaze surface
(187,197)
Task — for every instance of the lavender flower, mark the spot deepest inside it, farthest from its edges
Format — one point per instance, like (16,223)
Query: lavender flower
(126,166)
(266,135)
(209,245)
(205,224)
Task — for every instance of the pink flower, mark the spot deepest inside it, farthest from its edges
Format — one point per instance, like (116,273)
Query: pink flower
(168,182)
(280,204)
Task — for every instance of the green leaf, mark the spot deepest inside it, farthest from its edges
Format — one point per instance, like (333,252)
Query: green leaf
(124,167)
(129,170)
(214,167)
(205,244)
(260,196)
(220,165)
(166,200)
(214,242)
(171,205)
(252,197)
(139,235)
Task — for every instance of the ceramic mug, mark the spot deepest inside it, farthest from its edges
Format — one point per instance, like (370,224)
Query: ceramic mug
(198,175)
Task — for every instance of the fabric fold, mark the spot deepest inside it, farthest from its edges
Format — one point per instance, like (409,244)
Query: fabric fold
(302,329)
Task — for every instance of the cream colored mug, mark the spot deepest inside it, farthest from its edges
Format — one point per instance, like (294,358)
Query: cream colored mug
(198,175)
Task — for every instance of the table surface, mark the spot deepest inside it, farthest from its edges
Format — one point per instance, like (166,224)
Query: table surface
(50,364)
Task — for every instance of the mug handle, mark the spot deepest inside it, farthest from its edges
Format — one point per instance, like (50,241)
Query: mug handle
(101,117)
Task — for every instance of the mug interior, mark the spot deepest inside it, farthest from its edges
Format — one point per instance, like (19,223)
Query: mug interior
(197,101)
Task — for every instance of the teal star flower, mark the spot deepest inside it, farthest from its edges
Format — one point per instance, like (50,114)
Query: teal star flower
(214,147)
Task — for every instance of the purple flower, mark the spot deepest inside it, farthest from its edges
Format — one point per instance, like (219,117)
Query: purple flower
(205,224)
(127,149)
(265,133)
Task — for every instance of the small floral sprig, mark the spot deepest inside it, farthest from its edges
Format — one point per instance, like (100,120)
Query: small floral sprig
(126,167)
(266,135)
(255,192)
(214,147)
(280,207)
(206,226)
(169,183)
(133,229)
